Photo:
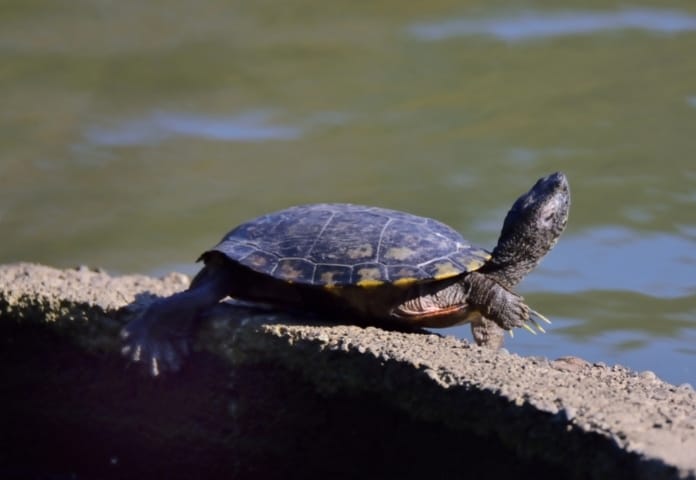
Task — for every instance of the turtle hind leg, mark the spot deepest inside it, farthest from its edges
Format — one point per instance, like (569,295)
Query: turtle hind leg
(160,338)
(487,333)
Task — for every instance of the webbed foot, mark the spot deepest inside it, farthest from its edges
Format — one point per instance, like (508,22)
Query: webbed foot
(160,338)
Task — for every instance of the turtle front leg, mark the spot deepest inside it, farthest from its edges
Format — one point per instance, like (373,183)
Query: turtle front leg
(160,338)
(501,309)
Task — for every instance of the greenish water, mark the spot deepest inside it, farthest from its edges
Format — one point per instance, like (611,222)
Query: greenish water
(133,135)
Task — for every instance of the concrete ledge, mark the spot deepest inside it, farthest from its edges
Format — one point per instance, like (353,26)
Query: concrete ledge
(270,386)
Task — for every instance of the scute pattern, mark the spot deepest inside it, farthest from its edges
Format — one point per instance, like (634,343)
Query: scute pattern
(335,245)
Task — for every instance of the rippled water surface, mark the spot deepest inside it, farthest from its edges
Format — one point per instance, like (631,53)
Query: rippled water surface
(133,135)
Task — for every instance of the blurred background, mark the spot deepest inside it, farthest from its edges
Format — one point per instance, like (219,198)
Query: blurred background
(133,135)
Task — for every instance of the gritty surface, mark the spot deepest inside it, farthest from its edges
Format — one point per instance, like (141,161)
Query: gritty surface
(650,421)
(26,284)
(639,412)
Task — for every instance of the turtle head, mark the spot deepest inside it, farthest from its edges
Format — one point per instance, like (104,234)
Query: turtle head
(532,227)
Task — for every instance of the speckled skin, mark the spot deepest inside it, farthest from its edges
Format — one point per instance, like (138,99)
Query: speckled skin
(364,265)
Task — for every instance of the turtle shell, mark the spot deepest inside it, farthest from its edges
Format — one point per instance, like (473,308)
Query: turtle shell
(335,245)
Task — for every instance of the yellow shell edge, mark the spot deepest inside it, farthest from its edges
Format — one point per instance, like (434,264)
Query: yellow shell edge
(369,283)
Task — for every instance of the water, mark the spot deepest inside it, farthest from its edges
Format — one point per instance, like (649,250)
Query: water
(536,24)
(132,136)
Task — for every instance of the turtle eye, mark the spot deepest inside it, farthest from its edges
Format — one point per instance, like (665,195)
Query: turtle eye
(547,219)
(547,214)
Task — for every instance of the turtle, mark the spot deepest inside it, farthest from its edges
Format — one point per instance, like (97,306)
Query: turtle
(363,265)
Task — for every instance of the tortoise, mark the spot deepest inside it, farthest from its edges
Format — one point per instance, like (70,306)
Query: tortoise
(363,265)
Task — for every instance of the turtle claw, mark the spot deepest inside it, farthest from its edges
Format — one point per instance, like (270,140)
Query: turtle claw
(529,329)
(533,315)
(540,316)
(154,367)
(157,358)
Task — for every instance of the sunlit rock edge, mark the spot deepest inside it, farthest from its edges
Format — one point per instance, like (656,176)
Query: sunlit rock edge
(566,414)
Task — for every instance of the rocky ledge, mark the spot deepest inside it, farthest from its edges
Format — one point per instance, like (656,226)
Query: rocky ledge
(269,395)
